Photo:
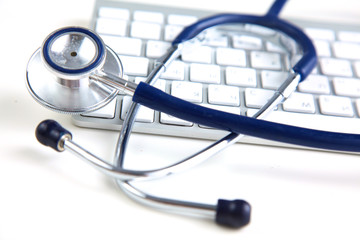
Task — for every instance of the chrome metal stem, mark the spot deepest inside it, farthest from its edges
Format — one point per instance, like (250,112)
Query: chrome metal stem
(162,63)
(104,166)
(160,67)
(122,174)
(122,85)
(175,206)
(127,87)
(282,93)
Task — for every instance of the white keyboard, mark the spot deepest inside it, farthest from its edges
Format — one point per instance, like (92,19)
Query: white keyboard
(235,74)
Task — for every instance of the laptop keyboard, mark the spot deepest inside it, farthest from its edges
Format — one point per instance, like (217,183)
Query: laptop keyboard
(230,72)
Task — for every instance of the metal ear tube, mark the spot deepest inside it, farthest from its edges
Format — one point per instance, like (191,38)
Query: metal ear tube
(50,133)
(228,213)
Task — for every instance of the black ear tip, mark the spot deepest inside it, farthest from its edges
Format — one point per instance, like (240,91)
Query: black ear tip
(50,133)
(234,214)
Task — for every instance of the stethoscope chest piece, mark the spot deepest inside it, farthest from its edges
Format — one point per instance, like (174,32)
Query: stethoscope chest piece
(58,73)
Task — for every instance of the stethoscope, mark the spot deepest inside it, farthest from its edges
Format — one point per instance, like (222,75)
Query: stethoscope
(75,72)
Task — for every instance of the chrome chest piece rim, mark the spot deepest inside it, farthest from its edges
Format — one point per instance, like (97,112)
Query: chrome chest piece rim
(58,73)
(73,50)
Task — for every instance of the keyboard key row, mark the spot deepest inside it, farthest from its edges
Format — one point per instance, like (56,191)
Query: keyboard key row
(330,35)
(246,77)
(146,16)
(155,31)
(184,20)
(347,50)
(347,87)
(317,84)
(344,44)
(227,98)
(334,105)
(202,54)
(145,30)
(335,67)
(343,50)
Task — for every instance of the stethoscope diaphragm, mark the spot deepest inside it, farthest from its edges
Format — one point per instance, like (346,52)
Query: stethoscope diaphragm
(58,72)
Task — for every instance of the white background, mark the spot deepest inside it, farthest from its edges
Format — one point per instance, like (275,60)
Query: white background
(295,194)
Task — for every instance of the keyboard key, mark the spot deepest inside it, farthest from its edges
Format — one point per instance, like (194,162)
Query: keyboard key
(171,32)
(257,29)
(137,66)
(124,45)
(347,50)
(247,42)
(144,114)
(335,67)
(357,68)
(317,84)
(245,77)
(320,34)
(216,41)
(256,97)
(168,119)
(188,91)
(223,95)
(108,111)
(145,30)
(182,20)
(176,71)
(205,73)
(337,106)
(109,12)
(199,54)
(322,48)
(300,102)
(271,47)
(155,49)
(273,79)
(146,16)
(231,57)
(349,87)
(265,60)
(111,26)
(357,102)
(349,36)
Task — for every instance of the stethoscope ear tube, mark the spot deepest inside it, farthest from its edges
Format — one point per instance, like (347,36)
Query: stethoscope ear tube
(50,133)
(234,214)
(151,97)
